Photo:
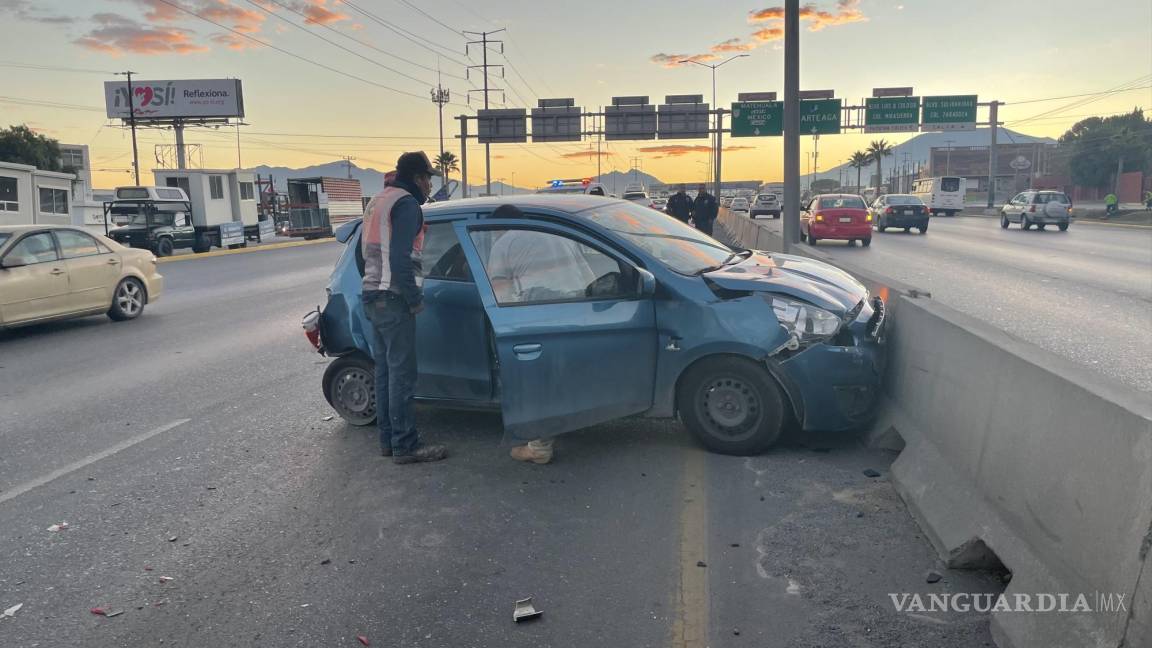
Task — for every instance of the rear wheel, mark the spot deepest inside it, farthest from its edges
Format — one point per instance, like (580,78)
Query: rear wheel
(1063,227)
(732,406)
(1025,224)
(1040,226)
(866,242)
(907,230)
(202,244)
(128,300)
(350,388)
(923,228)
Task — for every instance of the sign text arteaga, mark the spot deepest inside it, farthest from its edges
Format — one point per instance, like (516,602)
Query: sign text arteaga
(215,98)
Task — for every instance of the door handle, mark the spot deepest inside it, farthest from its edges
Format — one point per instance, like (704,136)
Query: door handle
(113,261)
(529,351)
(57,271)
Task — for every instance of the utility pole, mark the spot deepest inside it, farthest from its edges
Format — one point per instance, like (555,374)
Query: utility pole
(815,154)
(483,43)
(440,96)
(791,123)
(948,157)
(348,163)
(994,126)
(132,124)
(635,162)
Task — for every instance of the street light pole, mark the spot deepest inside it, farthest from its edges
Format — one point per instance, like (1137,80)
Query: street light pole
(132,123)
(714,154)
(791,123)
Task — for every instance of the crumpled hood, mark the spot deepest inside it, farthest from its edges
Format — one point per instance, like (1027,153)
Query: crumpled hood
(813,281)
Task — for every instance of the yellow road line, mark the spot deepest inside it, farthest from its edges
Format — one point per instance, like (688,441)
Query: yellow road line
(246,250)
(690,627)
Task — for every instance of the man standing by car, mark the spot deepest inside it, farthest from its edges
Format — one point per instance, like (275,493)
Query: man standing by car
(392,242)
(704,210)
(680,205)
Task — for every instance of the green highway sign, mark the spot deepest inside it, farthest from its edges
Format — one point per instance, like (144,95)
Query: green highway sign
(820,116)
(953,112)
(757,118)
(891,114)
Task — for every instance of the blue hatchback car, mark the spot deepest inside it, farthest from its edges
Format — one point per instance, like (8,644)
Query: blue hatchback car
(640,315)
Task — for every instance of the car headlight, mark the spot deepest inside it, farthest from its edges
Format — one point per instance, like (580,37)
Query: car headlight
(806,323)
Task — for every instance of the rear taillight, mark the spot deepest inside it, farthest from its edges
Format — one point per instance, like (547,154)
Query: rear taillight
(819,217)
(888,211)
(311,324)
(1033,209)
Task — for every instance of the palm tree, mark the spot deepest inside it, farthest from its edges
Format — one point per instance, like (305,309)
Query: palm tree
(447,163)
(877,151)
(858,161)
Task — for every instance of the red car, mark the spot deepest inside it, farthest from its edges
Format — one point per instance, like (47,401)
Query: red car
(840,217)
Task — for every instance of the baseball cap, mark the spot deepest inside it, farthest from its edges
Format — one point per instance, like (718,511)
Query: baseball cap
(415,163)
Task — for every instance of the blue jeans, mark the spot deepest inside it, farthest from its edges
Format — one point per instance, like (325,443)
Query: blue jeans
(394,352)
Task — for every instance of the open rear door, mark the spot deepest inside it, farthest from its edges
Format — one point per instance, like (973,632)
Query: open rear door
(574,325)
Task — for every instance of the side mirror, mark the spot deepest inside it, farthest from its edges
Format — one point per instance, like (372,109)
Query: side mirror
(12,262)
(647,282)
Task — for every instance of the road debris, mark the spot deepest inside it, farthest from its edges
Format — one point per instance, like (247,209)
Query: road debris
(701,563)
(58,527)
(173,538)
(329,418)
(165,579)
(933,577)
(11,612)
(113,613)
(362,639)
(98,611)
(525,610)
(326,561)
(871,473)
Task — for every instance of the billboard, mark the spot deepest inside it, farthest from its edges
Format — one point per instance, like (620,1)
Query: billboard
(192,98)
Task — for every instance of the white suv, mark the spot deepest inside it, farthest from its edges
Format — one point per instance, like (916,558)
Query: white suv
(765,203)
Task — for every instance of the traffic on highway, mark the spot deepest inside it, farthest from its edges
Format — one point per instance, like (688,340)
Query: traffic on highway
(439,327)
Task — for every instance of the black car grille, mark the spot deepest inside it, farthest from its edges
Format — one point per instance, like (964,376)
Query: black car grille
(876,322)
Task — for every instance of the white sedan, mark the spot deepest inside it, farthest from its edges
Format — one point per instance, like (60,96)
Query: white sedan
(739,206)
(50,272)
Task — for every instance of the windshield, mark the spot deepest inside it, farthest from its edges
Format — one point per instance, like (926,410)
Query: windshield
(1045,198)
(673,243)
(842,202)
(635,195)
(904,200)
(949,184)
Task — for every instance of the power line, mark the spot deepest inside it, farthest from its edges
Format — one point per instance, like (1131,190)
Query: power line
(292,54)
(349,37)
(403,32)
(52,68)
(1083,102)
(432,18)
(1086,94)
(48,104)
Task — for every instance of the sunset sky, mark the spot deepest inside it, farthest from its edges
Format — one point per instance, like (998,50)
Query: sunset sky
(1017,51)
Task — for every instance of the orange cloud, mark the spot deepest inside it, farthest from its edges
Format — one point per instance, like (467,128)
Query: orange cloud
(768,34)
(733,45)
(234,42)
(318,14)
(676,150)
(677,60)
(771,13)
(242,20)
(847,11)
(584,154)
(117,35)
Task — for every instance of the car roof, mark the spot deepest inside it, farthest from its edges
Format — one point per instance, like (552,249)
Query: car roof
(20,229)
(841,195)
(561,202)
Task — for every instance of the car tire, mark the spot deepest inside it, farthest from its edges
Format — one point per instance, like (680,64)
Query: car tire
(731,405)
(128,300)
(812,239)
(1063,227)
(164,247)
(881,225)
(923,228)
(866,242)
(1003,220)
(202,244)
(907,230)
(349,386)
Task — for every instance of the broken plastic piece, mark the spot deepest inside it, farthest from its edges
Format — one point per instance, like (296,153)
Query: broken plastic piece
(11,612)
(165,579)
(362,639)
(327,418)
(58,527)
(525,610)
(112,613)
(98,611)
(173,538)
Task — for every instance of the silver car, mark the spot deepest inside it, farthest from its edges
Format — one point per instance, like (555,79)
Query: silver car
(1039,208)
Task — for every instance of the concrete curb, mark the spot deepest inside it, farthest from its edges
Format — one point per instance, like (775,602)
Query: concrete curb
(245,250)
(1016,456)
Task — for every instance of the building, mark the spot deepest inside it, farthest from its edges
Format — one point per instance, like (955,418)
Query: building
(1016,165)
(29,195)
(226,194)
(87,202)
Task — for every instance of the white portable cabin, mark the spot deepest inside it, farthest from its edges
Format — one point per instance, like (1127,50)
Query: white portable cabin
(29,195)
(218,195)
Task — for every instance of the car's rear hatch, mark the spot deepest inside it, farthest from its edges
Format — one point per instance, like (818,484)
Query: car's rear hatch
(843,216)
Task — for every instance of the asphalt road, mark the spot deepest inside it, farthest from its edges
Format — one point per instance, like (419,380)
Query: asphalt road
(191,445)
(1085,294)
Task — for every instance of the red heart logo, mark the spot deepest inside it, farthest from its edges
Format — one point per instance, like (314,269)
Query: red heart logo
(146,92)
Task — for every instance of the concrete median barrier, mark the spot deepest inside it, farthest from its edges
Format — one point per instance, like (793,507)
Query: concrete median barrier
(1014,455)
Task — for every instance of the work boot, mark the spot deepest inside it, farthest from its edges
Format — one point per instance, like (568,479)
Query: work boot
(423,454)
(385,451)
(537,452)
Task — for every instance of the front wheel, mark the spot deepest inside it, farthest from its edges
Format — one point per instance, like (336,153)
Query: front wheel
(350,388)
(164,247)
(732,406)
(128,300)
(1003,220)
(881,225)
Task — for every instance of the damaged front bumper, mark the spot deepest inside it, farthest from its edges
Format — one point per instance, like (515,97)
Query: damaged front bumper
(837,382)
